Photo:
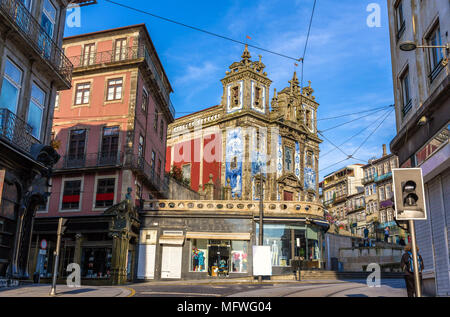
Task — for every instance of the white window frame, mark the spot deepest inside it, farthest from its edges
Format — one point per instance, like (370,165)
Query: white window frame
(64,179)
(50,18)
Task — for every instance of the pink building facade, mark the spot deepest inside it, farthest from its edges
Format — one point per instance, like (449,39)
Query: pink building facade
(110,130)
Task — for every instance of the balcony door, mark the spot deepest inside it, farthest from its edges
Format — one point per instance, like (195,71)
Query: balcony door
(89,54)
(77,144)
(120,50)
(48,21)
(110,145)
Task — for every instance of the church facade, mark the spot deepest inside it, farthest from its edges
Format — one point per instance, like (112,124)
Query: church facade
(228,153)
(248,135)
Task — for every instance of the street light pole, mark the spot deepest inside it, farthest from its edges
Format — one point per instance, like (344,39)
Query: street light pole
(415,259)
(261,214)
(55,268)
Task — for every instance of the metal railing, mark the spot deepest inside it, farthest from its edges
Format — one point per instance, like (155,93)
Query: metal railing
(37,37)
(140,166)
(15,131)
(126,54)
(92,160)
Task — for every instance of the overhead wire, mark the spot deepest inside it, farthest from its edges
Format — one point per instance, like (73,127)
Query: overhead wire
(201,30)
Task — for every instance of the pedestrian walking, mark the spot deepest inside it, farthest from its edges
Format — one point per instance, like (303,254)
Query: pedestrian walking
(408,268)
(386,234)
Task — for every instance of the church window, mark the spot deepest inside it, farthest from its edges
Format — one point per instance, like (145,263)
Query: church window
(235,94)
(288,159)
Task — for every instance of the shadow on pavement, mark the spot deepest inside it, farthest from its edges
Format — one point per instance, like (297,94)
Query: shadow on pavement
(79,291)
(356,295)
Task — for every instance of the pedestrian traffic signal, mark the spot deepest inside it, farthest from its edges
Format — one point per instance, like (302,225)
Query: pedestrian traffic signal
(409,196)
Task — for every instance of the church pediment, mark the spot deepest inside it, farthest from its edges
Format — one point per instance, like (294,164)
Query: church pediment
(290,180)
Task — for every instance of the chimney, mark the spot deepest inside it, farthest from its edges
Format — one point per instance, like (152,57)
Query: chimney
(384,150)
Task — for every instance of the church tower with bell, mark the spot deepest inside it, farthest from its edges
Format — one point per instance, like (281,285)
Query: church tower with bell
(246,86)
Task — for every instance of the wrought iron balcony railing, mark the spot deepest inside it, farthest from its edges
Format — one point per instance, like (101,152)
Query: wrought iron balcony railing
(92,160)
(15,131)
(140,166)
(121,55)
(37,37)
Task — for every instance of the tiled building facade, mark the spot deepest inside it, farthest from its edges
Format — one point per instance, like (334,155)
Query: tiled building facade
(224,153)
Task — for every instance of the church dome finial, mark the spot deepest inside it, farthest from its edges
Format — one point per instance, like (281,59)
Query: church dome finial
(246,54)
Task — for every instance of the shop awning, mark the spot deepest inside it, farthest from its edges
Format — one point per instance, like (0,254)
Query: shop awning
(171,240)
(219,235)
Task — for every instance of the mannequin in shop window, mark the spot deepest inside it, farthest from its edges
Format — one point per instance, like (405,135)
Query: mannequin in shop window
(195,263)
(201,261)
(274,250)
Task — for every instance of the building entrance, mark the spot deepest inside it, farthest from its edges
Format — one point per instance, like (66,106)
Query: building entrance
(219,257)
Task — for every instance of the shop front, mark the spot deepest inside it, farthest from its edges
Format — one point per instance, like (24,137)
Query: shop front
(293,241)
(103,246)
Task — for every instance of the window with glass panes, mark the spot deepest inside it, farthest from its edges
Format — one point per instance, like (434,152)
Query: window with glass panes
(105,192)
(11,86)
(120,49)
(82,93)
(435,54)
(110,143)
(77,142)
(404,80)
(71,195)
(144,100)
(89,54)
(36,110)
(114,89)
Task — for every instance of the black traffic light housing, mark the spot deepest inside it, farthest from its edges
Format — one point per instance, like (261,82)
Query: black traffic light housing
(410,197)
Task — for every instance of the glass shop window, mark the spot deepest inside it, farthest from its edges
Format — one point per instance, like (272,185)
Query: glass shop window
(199,255)
(239,263)
(96,262)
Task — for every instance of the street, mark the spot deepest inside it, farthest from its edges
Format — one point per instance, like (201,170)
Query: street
(355,288)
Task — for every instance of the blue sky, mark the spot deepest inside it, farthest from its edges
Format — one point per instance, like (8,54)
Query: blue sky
(347,62)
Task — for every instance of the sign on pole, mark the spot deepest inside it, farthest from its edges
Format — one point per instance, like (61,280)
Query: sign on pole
(409,194)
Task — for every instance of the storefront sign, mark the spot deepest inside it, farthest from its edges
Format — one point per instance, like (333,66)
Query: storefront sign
(262,264)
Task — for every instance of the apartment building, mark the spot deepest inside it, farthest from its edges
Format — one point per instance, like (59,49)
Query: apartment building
(378,189)
(422,90)
(110,130)
(33,68)
(337,187)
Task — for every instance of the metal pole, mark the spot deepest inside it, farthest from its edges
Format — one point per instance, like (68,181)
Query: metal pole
(261,215)
(415,259)
(56,265)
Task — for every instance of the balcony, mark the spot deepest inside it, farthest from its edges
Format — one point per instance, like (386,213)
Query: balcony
(147,173)
(383,177)
(127,55)
(87,161)
(35,36)
(15,131)
(368,179)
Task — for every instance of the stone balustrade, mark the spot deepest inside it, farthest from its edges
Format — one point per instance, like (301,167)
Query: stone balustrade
(289,208)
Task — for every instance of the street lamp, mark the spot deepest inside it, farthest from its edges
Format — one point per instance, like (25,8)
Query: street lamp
(411,46)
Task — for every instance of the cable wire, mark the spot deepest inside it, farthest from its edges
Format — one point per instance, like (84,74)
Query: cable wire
(201,30)
(351,114)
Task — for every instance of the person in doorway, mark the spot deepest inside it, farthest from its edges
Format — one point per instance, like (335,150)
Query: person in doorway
(408,268)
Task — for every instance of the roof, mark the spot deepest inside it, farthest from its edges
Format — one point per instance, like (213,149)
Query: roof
(141,25)
(197,112)
(82,3)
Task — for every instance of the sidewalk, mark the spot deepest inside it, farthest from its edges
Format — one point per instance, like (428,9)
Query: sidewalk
(65,291)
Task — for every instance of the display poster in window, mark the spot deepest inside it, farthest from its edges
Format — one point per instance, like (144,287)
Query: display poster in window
(262,265)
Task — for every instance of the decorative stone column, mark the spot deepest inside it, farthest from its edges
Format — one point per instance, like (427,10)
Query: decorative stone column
(227,190)
(77,252)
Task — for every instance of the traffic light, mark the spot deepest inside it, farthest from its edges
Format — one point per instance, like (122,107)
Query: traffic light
(62,226)
(409,196)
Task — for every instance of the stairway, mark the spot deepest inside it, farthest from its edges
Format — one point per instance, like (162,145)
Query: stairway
(333,275)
